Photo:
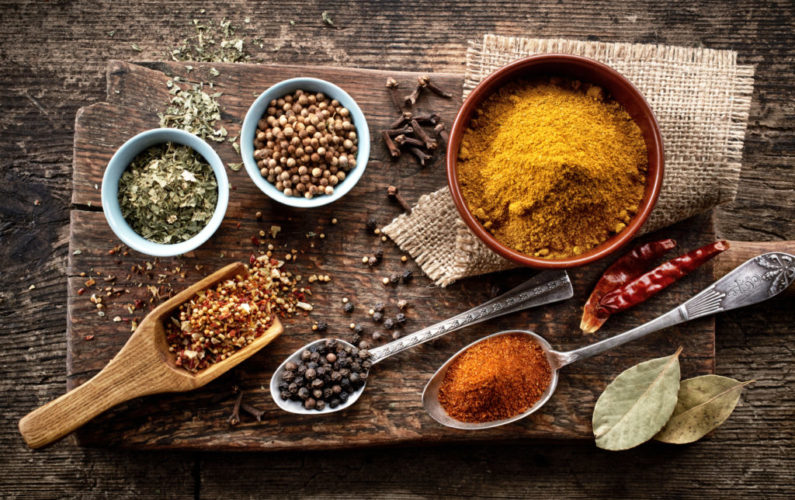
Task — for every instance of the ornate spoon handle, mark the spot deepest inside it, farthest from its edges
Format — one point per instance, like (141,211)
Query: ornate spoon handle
(544,288)
(757,279)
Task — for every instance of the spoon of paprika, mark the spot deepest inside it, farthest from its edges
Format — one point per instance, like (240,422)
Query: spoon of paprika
(756,280)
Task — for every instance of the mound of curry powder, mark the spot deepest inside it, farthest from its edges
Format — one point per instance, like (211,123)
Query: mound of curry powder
(552,168)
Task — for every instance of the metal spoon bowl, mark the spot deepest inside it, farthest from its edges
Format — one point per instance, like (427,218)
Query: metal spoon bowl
(297,406)
(759,279)
(430,396)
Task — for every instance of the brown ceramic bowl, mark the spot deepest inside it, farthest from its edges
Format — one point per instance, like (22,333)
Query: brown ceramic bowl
(585,70)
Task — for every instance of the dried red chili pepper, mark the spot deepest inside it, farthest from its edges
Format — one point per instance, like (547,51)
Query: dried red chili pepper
(640,289)
(625,269)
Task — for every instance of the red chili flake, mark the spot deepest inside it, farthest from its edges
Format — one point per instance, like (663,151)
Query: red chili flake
(81,291)
(88,337)
(139,304)
(252,259)
(237,226)
(255,242)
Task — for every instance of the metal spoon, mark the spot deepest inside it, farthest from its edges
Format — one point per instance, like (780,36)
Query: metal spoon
(758,279)
(544,288)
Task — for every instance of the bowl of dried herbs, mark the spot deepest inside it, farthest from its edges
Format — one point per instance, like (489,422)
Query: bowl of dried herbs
(165,192)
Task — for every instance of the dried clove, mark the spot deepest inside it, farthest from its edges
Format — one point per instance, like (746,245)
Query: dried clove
(234,418)
(402,140)
(428,119)
(422,135)
(393,194)
(394,151)
(404,118)
(392,87)
(441,132)
(254,412)
(421,155)
(397,131)
(411,99)
(425,81)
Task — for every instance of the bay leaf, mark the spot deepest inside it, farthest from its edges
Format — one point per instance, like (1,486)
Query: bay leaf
(703,404)
(637,404)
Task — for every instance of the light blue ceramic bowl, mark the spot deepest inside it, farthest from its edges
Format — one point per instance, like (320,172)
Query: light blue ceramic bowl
(257,110)
(119,163)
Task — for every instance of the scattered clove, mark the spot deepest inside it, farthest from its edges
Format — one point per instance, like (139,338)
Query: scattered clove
(392,86)
(421,155)
(402,140)
(404,118)
(425,81)
(393,149)
(393,194)
(422,135)
(441,132)
(254,412)
(234,418)
(411,99)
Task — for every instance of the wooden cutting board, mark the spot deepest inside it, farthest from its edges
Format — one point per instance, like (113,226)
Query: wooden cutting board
(390,411)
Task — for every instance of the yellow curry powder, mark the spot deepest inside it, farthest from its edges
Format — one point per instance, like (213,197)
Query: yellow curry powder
(552,168)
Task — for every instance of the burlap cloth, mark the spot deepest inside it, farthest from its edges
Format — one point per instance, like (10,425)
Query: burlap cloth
(701,98)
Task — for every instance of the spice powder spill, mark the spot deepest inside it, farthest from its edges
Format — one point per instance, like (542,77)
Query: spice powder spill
(496,379)
(217,322)
(552,168)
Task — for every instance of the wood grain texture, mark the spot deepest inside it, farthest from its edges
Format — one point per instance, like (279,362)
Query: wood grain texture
(391,409)
(54,56)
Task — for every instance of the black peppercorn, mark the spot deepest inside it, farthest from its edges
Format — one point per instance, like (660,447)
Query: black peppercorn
(343,396)
(389,323)
(303,393)
(305,355)
(314,356)
(310,404)
(292,388)
(377,316)
(331,357)
(400,318)
(358,329)
(394,279)
(355,379)
(336,389)
(317,394)
(311,373)
(356,338)
(288,375)
(317,383)
(348,307)
(320,405)
(290,366)
(299,381)
(322,326)
(371,224)
(284,394)
(407,275)
(327,393)
(283,385)
(334,403)
(379,254)
(379,307)
(363,345)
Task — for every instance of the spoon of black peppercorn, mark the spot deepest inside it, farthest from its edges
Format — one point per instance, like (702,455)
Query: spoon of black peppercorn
(329,375)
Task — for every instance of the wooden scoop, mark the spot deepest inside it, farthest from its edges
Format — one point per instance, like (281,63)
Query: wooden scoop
(143,366)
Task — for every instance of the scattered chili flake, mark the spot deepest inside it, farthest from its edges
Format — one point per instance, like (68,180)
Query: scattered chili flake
(88,337)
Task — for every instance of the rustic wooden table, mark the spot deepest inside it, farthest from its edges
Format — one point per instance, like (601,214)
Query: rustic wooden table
(53,57)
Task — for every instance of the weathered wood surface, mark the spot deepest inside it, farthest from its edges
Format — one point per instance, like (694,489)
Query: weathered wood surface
(54,56)
(391,409)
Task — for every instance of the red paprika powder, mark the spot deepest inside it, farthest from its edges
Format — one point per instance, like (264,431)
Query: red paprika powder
(496,379)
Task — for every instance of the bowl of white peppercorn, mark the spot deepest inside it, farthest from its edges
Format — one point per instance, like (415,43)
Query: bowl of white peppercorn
(305,142)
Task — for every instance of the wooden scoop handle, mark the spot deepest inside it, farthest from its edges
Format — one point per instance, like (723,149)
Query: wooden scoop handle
(122,379)
(740,251)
